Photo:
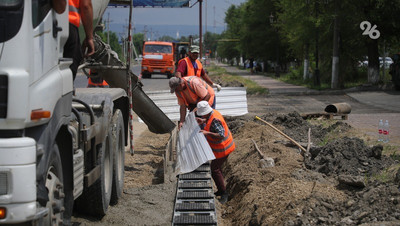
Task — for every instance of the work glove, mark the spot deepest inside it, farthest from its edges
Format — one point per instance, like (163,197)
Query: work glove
(217,86)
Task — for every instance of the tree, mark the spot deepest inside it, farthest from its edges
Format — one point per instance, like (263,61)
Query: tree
(231,50)
(166,38)
(210,42)
(137,40)
(384,14)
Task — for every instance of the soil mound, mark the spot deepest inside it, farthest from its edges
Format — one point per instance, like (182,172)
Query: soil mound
(297,128)
(336,185)
(348,156)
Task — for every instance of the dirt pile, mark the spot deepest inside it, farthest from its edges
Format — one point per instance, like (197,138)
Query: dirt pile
(349,156)
(336,185)
(297,128)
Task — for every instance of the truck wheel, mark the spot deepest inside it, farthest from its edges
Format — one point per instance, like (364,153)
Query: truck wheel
(169,75)
(55,188)
(118,138)
(96,199)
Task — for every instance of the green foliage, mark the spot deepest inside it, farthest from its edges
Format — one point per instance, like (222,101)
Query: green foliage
(229,49)
(137,40)
(300,28)
(210,42)
(166,38)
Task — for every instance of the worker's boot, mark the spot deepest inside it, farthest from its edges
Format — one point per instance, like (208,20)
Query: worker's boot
(218,193)
(224,197)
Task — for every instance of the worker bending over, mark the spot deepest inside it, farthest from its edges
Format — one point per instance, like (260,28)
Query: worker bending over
(189,91)
(220,140)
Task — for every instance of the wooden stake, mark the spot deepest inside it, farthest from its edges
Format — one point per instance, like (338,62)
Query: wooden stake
(259,151)
(283,134)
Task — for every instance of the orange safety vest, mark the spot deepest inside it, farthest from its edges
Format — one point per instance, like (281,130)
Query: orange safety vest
(193,97)
(73,15)
(226,145)
(190,68)
(103,84)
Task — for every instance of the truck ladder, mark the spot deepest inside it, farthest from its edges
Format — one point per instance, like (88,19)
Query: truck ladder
(194,202)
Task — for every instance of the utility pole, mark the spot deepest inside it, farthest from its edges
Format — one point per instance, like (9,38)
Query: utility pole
(108,28)
(200,28)
(215,25)
(206,16)
(335,58)
(145,33)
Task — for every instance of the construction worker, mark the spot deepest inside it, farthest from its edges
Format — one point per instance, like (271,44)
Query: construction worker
(189,91)
(59,5)
(96,81)
(220,140)
(79,10)
(191,66)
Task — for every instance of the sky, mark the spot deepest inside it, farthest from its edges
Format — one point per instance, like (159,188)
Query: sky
(213,17)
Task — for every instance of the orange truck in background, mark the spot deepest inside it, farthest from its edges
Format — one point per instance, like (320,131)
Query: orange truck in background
(162,57)
(158,58)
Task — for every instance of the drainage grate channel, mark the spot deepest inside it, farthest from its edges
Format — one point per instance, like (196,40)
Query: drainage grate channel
(186,219)
(195,194)
(194,202)
(195,176)
(194,184)
(203,168)
(194,205)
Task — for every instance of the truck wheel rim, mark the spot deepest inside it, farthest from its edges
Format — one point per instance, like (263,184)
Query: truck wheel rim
(56,195)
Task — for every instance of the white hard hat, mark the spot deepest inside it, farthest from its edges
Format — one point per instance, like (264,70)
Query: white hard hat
(203,108)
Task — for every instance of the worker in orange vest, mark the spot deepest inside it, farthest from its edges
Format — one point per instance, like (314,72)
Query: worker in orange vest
(79,10)
(189,91)
(96,81)
(191,66)
(220,140)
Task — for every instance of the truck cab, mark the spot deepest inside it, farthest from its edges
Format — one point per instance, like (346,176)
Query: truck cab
(158,58)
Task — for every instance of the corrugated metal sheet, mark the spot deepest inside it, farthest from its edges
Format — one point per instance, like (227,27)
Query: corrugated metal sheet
(231,101)
(193,148)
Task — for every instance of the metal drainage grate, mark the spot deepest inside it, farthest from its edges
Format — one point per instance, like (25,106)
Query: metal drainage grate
(194,202)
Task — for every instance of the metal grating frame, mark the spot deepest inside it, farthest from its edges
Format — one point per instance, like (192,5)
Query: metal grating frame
(194,202)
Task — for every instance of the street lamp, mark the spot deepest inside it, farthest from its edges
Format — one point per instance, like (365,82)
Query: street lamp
(277,67)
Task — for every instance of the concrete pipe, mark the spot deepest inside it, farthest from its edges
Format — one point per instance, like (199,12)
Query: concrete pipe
(339,108)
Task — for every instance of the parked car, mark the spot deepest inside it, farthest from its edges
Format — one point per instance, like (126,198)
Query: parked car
(388,62)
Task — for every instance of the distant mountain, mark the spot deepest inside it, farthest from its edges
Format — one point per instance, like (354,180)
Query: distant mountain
(155,31)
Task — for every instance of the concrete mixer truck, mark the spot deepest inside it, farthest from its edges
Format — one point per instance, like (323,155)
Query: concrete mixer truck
(61,147)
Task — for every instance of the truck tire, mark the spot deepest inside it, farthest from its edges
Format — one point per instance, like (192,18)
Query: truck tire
(118,138)
(169,75)
(96,198)
(55,188)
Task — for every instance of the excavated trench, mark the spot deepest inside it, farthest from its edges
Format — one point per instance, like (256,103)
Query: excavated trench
(342,181)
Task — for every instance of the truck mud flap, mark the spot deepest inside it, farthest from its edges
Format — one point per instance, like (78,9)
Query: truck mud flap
(144,107)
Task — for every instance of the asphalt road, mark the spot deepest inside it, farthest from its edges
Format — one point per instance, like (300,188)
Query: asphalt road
(367,106)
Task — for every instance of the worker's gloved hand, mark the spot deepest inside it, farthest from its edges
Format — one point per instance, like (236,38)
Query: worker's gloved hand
(217,86)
